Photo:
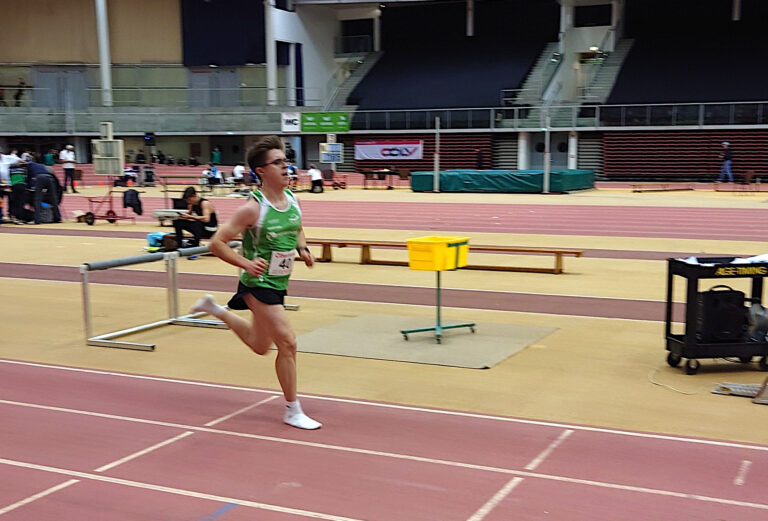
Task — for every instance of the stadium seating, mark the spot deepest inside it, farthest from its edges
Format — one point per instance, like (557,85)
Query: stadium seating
(693,53)
(429,63)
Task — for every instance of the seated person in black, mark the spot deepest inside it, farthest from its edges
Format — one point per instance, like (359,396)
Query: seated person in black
(200,219)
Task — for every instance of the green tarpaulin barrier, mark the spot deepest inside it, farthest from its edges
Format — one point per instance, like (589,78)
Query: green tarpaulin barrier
(509,181)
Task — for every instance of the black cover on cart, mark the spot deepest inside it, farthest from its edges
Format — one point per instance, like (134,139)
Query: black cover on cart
(722,315)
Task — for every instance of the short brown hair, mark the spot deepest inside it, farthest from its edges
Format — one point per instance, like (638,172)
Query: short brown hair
(257,154)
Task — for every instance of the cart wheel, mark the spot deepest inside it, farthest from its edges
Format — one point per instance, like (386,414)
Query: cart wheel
(335,186)
(691,366)
(472,329)
(405,337)
(438,340)
(745,359)
(343,185)
(89,218)
(111,216)
(763,363)
(673,359)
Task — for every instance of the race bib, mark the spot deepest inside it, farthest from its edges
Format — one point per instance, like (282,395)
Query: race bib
(281,263)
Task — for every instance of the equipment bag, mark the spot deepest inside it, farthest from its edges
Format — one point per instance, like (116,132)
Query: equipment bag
(722,315)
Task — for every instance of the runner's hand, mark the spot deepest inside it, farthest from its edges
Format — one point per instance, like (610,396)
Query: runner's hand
(307,257)
(255,267)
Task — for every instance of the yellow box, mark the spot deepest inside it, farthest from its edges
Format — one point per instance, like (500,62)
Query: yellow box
(435,253)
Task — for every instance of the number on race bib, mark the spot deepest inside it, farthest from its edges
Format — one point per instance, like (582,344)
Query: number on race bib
(281,263)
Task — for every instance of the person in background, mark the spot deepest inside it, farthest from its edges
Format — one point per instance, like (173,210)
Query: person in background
(49,158)
(67,160)
(6,160)
(200,219)
(213,174)
(317,179)
(293,177)
(479,159)
(47,190)
(19,92)
(237,173)
(725,169)
(290,153)
(18,179)
(272,235)
(216,155)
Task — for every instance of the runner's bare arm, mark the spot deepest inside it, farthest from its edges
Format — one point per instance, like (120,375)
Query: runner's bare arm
(245,217)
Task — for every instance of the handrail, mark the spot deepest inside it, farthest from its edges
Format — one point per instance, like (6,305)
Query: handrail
(745,114)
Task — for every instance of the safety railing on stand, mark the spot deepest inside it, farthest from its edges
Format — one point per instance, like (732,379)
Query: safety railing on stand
(174,318)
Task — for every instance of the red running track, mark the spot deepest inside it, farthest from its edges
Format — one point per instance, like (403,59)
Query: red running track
(746,224)
(128,447)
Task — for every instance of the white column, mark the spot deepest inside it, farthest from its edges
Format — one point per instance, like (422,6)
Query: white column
(573,149)
(617,20)
(105,62)
(523,147)
(271,51)
(377,30)
(470,17)
(290,77)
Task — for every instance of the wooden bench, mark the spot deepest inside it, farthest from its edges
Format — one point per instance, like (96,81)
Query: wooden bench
(365,254)
(662,187)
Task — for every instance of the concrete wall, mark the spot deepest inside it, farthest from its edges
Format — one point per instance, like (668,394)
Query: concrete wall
(315,28)
(55,31)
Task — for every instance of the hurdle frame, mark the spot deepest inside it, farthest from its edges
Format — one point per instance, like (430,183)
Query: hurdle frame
(172,290)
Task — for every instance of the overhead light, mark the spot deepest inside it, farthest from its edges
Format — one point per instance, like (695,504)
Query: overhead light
(594,48)
(212,65)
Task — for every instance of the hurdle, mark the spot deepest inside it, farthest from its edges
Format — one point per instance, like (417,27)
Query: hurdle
(172,290)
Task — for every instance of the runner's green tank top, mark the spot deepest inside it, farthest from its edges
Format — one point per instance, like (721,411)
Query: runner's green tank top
(273,238)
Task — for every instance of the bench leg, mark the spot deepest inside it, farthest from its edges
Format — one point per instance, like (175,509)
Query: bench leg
(558,262)
(365,254)
(326,255)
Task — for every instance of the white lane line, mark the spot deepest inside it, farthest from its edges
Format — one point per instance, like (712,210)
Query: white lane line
(495,500)
(178,437)
(535,462)
(398,456)
(176,491)
(741,476)
(39,495)
(143,452)
(479,416)
(239,411)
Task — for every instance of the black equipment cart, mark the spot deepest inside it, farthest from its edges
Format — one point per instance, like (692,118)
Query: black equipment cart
(716,321)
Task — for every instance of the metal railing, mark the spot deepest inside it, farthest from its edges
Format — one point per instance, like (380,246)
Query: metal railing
(663,115)
(219,97)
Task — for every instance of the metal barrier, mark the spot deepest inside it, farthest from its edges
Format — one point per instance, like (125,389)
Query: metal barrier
(171,268)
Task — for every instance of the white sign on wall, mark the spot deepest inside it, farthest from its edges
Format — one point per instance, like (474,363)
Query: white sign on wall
(290,122)
(389,149)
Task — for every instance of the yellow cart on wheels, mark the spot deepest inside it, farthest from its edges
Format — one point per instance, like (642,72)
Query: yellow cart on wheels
(438,254)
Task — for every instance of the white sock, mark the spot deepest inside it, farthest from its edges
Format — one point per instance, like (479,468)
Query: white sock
(295,417)
(208,305)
